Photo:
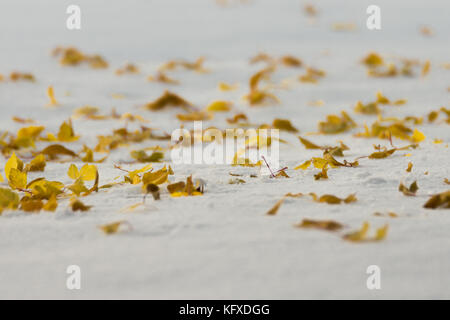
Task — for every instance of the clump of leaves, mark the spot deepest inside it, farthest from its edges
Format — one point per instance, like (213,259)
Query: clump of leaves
(189,189)
(336,124)
(440,200)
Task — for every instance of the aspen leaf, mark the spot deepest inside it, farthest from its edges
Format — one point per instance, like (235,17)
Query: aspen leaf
(227,87)
(308,144)
(51,204)
(129,68)
(275,208)
(154,190)
(373,60)
(43,189)
(66,133)
(417,136)
(219,106)
(51,96)
(284,124)
(168,99)
(77,205)
(17,179)
(382,154)
(86,173)
(141,156)
(8,199)
(54,150)
(411,191)
(304,165)
(426,68)
(176,187)
(194,116)
(410,166)
(157,177)
(328,225)
(322,175)
(336,124)
(37,164)
(13,163)
(358,235)
(163,78)
(381,233)
(440,200)
(361,235)
(236,181)
(112,228)
(291,61)
(236,118)
(30,205)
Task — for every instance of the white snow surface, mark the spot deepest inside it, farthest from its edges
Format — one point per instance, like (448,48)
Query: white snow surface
(222,245)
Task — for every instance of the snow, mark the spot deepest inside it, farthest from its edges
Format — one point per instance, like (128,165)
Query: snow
(222,245)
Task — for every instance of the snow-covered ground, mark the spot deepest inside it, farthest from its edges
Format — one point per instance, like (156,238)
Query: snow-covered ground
(222,244)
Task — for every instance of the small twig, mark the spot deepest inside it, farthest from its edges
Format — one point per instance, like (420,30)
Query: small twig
(273,176)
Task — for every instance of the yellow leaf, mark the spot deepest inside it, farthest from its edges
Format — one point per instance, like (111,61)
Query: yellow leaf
(284,124)
(359,235)
(321,224)
(319,163)
(219,106)
(227,87)
(37,164)
(51,96)
(113,227)
(381,233)
(410,165)
(88,172)
(417,136)
(66,133)
(77,205)
(13,163)
(73,172)
(31,205)
(8,199)
(304,165)
(17,179)
(275,208)
(308,144)
(51,204)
